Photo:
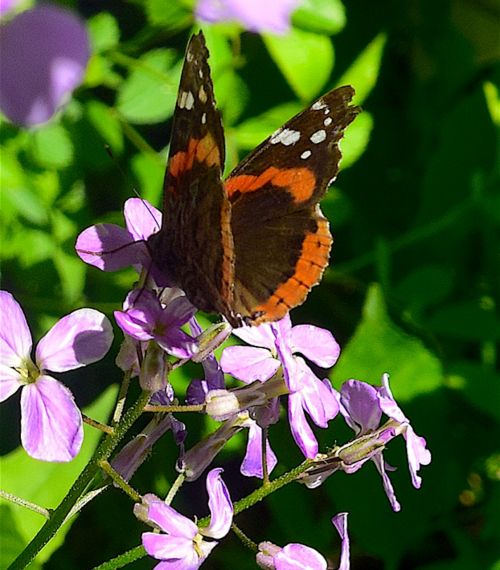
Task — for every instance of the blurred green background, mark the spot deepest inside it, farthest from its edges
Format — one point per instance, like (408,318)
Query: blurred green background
(412,288)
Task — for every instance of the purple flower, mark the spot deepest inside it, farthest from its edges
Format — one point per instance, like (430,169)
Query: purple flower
(45,51)
(51,423)
(183,546)
(276,345)
(7,5)
(362,406)
(296,556)
(256,16)
(144,318)
(110,247)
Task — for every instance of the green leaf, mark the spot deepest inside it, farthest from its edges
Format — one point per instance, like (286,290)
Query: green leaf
(52,146)
(168,15)
(379,346)
(33,246)
(492,96)
(149,171)
(11,537)
(480,383)
(148,95)
(106,123)
(27,203)
(356,139)
(104,31)
(305,60)
(320,16)
(467,320)
(425,286)
(71,271)
(364,71)
(46,484)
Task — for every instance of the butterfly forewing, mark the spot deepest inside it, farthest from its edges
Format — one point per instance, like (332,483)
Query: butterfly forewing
(194,246)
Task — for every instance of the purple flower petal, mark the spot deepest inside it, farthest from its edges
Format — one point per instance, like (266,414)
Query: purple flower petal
(45,51)
(361,403)
(178,343)
(110,248)
(10,382)
(315,343)
(318,398)
(170,521)
(15,336)
(417,454)
(301,431)
(257,15)
(252,462)
(340,523)
(51,423)
(299,557)
(248,363)
(178,311)
(220,505)
(80,338)
(141,218)
(386,482)
(163,546)
(262,336)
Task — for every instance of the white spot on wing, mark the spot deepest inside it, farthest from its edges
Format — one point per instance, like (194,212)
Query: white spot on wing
(286,137)
(202,94)
(305,154)
(186,100)
(318,105)
(328,121)
(203,118)
(318,136)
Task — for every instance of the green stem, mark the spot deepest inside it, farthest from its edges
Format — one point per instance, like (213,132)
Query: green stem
(248,542)
(123,559)
(120,481)
(26,504)
(58,517)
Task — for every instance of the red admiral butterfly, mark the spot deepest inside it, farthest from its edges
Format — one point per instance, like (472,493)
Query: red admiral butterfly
(250,247)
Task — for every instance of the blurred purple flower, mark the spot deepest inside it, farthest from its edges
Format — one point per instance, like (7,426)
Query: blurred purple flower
(296,556)
(7,5)
(255,15)
(51,423)
(45,51)
(110,247)
(144,318)
(362,406)
(182,546)
(275,344)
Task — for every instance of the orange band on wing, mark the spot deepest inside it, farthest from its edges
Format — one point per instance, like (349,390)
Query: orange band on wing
(308,270)
(299,182)
(203,150)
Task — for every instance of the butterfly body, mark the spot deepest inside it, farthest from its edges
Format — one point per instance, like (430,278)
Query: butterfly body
(249,248)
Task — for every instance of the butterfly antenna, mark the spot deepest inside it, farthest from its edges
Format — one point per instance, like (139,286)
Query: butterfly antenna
(107,148)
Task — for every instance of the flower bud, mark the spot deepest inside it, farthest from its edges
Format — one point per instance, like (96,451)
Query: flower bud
(210,339)
(221,404)
(199,457)
(154,369)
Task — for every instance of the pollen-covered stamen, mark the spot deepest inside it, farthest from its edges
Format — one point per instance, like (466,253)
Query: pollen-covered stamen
(28,371)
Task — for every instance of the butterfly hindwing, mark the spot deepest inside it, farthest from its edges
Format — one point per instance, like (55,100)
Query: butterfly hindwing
(194,246)
(281,240)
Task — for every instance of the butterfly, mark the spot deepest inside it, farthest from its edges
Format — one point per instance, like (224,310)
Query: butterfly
(252,246)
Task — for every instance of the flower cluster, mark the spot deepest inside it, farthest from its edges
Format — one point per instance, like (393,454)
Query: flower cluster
(161,332)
